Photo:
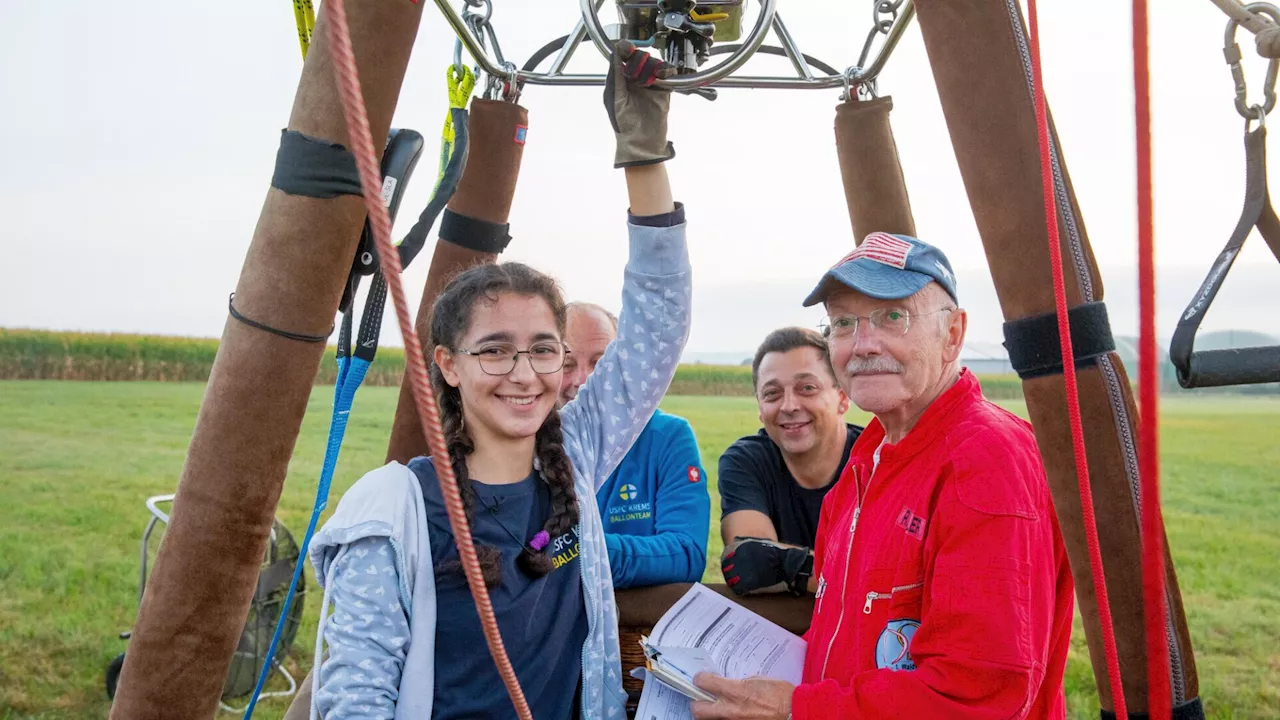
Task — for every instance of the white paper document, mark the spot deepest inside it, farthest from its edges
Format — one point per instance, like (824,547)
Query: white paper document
(740,644)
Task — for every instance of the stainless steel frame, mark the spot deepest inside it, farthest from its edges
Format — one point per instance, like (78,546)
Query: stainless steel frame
(719,75)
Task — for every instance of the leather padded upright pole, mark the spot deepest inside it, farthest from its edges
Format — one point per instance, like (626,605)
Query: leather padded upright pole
(977,49)
(485,192)
(197,597)
(874,187)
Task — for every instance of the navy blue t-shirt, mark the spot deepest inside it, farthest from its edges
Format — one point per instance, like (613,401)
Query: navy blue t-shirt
(754,476)
(543,621)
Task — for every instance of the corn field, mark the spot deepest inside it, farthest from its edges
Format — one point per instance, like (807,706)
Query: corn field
(47,355)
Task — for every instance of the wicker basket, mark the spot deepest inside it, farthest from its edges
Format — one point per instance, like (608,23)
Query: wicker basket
(632,655)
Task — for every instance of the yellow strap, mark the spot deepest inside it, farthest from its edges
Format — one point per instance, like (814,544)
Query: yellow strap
(304,14)
(707,17)
(461,83)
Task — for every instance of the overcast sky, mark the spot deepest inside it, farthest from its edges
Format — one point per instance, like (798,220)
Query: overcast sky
(138,141)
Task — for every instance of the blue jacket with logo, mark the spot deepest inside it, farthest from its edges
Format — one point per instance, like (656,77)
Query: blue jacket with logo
(656,508)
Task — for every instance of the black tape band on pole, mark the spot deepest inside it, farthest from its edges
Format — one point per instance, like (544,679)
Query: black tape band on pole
(314,167)
(1035,350)
(474,234)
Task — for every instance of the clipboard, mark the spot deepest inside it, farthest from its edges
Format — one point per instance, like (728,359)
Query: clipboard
(675,667)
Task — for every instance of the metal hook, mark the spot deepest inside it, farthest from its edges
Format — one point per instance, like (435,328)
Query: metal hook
(504,87)
(511,91)
(1231,51)
(476,22)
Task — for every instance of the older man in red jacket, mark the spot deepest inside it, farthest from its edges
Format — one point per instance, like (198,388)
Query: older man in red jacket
(943,590)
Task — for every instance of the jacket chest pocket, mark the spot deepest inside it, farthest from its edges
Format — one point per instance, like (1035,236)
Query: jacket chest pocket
(891,616)
(893,596)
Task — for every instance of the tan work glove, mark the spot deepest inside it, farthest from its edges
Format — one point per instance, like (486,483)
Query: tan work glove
(637,110)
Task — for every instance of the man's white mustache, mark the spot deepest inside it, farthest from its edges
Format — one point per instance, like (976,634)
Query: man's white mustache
(878,364)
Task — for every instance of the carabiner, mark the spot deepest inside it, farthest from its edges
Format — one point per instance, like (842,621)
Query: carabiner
(866,89)
(504,87)
(1231,51)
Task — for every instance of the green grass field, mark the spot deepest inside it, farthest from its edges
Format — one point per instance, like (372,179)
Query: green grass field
(77,461)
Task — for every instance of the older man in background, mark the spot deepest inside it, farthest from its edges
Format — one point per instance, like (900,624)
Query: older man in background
(655,506)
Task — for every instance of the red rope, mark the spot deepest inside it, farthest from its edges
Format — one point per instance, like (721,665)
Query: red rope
(1069,373)
(415,365)
(1159,690)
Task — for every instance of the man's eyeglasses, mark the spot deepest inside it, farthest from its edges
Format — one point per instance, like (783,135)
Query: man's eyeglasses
(545,357)
(894,322)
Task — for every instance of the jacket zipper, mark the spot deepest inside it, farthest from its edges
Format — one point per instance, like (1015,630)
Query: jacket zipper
(853,528)
(586,598)
(873,596)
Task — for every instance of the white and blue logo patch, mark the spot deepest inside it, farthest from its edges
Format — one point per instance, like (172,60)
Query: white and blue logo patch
(632,507)
(893,648)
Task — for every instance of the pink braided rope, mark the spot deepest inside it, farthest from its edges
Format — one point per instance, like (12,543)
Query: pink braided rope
(415,364)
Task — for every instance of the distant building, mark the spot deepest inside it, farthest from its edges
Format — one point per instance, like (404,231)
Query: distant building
(989,358)
(985,358)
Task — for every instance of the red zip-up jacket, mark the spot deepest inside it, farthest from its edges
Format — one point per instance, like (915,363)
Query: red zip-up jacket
(944,589)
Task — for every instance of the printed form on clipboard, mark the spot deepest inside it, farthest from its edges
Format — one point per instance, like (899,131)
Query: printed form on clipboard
(707,632)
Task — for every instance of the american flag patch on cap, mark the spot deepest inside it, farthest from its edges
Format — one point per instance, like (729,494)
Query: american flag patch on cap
(883,248)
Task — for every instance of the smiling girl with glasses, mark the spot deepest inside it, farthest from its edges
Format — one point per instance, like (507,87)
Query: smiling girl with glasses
(404,638)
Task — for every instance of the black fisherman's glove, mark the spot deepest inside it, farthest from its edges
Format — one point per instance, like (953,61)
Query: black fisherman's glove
(637,110)
(756,566)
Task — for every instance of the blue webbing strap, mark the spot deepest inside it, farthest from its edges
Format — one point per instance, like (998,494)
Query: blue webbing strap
(351,373)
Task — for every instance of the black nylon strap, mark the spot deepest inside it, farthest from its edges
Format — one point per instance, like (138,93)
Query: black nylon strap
(1035,350)
(1192,710)
(312,167)
(371,321)
(1231,367)
(448,185)
(398,162)
(474,234)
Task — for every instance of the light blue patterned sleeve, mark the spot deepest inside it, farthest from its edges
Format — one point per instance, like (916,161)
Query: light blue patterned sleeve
(613,406)
(367,635)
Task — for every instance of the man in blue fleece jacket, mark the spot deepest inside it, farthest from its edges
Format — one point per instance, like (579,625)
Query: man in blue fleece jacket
(655,506)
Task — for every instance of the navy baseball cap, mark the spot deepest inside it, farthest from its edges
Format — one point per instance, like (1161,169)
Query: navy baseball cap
(888,267)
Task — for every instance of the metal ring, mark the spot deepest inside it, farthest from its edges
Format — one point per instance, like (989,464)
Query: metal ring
(1260,114)
(486,4)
